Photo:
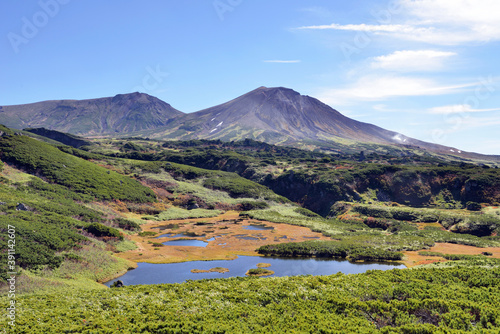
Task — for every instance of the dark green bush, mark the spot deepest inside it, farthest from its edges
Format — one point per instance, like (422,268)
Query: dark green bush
(237,186)
(473,206)
(127,224)
(147,234)
(247,205)
(334,249)
(100,230)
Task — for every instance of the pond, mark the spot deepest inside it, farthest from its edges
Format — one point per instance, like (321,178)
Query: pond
(186,242)
(148,273)
(257,227)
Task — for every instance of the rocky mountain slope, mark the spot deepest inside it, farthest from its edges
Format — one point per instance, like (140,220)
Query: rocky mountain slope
(283,116)
(104,116)
(273,115)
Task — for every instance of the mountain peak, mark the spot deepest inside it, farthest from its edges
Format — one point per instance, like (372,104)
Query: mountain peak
(135,96)
(130,95)
(274,89)
(108,115)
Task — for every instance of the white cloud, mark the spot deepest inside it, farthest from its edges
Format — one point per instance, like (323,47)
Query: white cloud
(458,108)
(412,60)
(362,27)
(282,61)
(441,22)
(376,88)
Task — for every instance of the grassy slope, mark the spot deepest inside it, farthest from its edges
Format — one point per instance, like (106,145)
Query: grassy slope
(80,175)
(52,245)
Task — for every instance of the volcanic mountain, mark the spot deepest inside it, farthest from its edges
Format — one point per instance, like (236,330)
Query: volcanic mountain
(283,116)
(122,113)
(274,115)
(277,115)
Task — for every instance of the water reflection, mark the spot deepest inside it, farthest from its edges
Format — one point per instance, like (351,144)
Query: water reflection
(147,273)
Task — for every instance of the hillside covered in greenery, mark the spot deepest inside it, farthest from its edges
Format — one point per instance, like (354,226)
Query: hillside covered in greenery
(318,180)
(75,210)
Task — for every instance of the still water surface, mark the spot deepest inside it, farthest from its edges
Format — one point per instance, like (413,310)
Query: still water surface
(148,273)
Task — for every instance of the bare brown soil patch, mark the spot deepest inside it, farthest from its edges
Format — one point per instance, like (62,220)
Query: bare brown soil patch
(230,238)
(414,259)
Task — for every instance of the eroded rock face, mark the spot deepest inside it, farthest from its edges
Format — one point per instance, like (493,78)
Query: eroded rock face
(193,206)
(22,207)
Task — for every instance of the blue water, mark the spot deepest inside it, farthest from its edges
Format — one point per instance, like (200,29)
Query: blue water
(148,273)
(186,242)
(257,227)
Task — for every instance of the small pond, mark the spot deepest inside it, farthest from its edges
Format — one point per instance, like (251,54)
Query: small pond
(257,227)
(148,273)
(186,242)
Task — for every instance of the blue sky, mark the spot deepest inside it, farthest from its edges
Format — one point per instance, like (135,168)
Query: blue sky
(427,68)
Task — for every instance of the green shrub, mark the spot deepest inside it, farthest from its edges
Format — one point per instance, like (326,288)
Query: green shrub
(100,230)
(237,186)
(259,272)
(247,205)
(147,234)
(473,206)
(127,224)
(334,249)
(372,211)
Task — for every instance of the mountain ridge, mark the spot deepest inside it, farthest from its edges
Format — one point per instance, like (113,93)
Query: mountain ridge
(279,115)
(275,115)
(101,116)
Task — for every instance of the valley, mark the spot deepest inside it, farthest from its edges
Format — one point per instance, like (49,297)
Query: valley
(185,210)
